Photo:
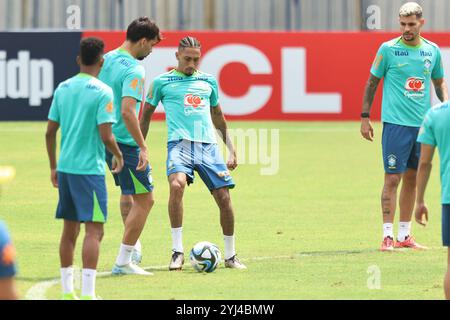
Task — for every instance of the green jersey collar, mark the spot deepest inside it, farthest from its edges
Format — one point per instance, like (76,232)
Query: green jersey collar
(181,74)
(402,42)
(84,75)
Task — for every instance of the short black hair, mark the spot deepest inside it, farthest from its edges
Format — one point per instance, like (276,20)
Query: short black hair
(91,50)
(143,27)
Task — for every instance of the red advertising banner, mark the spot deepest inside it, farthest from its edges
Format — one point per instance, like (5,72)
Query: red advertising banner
(282,76)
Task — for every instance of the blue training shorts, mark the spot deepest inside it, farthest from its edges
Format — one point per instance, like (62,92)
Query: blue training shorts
(446,225)
(401,151)
(82,198)
(129,179)
(205,158)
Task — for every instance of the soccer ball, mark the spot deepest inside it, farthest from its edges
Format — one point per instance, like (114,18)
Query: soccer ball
(205,256)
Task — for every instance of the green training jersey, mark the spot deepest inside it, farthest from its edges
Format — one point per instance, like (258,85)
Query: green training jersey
(407,73)
(435,131)
(123,73)
(187,101)
(80,104)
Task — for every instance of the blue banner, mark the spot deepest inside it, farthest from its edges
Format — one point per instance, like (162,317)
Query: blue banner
(32,64)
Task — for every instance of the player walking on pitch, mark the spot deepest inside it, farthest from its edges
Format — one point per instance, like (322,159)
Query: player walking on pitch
(126,77)
(191,102)
(435,132)
(83,108)
(408,64)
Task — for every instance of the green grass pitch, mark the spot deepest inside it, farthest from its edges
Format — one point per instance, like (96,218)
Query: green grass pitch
(309,232)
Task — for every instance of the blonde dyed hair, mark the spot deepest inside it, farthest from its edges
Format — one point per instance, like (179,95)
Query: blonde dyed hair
(411,9)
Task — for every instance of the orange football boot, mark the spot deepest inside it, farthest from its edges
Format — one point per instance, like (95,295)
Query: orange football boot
(387,244)
(409,242)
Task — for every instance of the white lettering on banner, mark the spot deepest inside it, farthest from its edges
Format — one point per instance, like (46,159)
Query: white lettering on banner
(445,56)
(256,62)
(23,78)
(293,86)
(295,99)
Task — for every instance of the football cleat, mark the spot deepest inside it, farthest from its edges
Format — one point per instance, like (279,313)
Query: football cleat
(411,243)
(70,296)
(129,269)
(234,263)
(177,261)
(136,257)
(387,244)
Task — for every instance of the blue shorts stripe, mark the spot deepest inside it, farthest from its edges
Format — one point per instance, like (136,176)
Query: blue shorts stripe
(82,198)
(129,179)
(446,225)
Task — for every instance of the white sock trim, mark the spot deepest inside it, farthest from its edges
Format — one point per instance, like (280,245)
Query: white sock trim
(88,282)
(177,239)
(124,256)
(404,230)
(67,280)
(230,250)
(138,246)
(388,230)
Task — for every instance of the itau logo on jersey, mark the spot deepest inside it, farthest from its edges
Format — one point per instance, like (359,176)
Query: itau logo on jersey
(193,104)
(415,87)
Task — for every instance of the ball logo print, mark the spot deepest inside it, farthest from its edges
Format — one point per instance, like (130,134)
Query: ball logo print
(205,257)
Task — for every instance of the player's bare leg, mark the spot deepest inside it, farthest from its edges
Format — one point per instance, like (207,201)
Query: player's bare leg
(223,200)
(407,195)
(90,254)
(67,244)
(177,184)
(91,244)
(126,203)
(142,204)
(388,206)
(447,277)
(68,241)
(137,217)
(406,203)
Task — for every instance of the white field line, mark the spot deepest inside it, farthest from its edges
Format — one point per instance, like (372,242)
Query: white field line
(39,290)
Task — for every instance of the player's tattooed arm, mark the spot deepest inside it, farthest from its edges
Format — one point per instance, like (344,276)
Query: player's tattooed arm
(220,123)
(369,93)
(441,89)
(146,117)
